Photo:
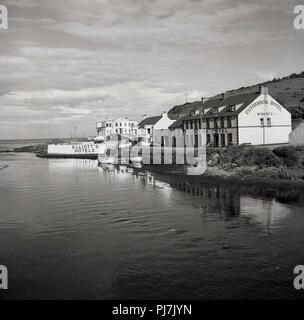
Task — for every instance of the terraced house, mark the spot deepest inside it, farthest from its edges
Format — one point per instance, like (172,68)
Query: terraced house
(253,118)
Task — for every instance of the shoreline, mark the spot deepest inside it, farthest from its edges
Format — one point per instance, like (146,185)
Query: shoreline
(214,174)
(219,179)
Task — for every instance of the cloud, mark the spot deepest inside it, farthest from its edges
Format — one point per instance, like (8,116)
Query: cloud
(77,61)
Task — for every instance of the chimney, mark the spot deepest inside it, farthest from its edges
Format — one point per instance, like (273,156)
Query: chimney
(264,90)
(204,99)
(164,113)
(223,96)
(144,116)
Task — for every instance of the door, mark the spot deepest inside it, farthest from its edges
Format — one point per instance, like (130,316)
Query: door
(223,140)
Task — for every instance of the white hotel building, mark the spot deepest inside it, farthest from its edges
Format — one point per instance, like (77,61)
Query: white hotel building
(253,118)
(120,125)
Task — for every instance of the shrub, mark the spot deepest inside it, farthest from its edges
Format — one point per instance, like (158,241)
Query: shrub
(249,156)
(264,157)
(289,155)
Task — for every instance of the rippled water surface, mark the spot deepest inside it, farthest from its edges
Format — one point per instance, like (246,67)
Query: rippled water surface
(70,229)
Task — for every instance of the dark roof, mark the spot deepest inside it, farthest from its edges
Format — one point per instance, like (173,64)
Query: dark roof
(296,122)
(149,121)
(185,109)
(244,99)
(173,116)
(177,124)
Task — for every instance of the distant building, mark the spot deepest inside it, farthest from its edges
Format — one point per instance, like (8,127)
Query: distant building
(120,125)
(152,127)
(254,118)
(296,137)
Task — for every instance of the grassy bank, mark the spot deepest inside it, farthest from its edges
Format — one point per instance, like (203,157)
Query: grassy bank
(283,165)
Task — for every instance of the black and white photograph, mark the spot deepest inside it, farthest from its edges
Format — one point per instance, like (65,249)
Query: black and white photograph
(152,150)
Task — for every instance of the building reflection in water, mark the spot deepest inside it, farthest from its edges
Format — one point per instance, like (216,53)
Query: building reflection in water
(70,165)
(231,201)
(266,207)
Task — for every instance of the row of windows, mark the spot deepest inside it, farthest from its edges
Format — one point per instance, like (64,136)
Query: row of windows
(231,108)
(126,131)
(121,124)
(263,123)
(217,123)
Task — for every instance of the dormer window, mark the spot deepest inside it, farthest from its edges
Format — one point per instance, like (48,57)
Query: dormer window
(215,110)
(232,108)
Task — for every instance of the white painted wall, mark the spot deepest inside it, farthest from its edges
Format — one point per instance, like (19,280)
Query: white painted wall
(76,149)
(163,123)
(296,137)
(250,129)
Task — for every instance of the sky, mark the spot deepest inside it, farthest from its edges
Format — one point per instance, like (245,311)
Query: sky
(67,63)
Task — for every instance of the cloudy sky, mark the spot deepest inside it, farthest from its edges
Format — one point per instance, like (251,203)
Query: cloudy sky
(67,63)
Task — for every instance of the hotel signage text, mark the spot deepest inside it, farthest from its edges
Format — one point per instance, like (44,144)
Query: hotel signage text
(260,102)
(84,148)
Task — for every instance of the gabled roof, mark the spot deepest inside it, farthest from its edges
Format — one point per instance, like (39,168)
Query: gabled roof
(153,120)
(149,121)
(184,109)
(178,123)
(243,100)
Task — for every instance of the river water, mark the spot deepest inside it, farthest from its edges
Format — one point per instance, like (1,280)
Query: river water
(71,229)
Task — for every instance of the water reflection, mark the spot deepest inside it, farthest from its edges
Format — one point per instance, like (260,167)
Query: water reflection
(231,201)
(121,232)
(265,206)
(68,165)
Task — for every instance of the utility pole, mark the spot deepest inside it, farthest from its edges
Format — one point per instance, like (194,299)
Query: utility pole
(186,95)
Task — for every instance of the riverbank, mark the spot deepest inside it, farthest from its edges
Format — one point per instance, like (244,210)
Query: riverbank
(282,167)
(219,177)
(31,149)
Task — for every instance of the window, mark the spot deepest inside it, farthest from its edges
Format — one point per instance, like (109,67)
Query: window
(229,124)
(232,108)
(215,123)
(208,139)
(208,124)
(269,122)
(262,122)
(215,110)
(229,136)
(222,123)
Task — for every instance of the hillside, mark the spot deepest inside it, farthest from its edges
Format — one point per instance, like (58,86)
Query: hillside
(289,91)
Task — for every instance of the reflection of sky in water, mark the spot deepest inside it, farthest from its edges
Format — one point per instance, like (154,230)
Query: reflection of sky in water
(68,165)
(127,233)
(268,213)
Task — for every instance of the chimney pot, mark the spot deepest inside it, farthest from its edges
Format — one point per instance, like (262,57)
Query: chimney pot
(264,90)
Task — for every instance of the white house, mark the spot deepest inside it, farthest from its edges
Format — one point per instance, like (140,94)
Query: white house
(151,128)
(120,125)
